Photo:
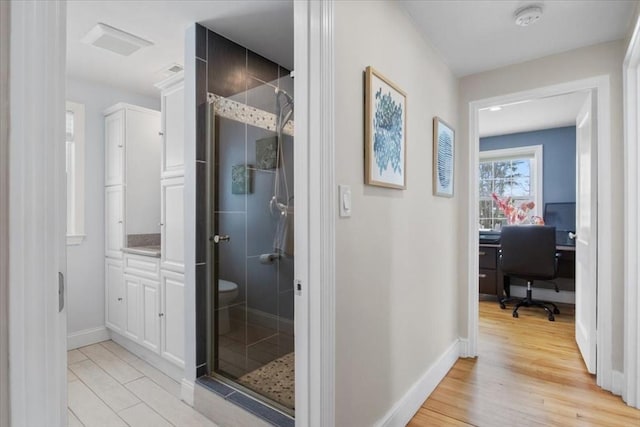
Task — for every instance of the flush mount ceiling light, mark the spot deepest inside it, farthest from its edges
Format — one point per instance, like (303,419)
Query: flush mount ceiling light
(114,40)
(495,108)
(528,15)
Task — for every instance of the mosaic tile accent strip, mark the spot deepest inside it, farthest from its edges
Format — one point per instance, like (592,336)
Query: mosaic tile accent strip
(239,112)
(275,380)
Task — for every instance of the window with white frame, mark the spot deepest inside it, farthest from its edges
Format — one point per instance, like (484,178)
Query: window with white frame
(510,172)
(75,172)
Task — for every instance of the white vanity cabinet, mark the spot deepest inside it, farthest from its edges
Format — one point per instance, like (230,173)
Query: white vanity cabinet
(172,154)
(172,224)
(115,307)
(147,306)
(172,323)
(114,221)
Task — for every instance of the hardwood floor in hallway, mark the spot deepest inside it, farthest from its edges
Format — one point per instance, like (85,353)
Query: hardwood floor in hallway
(528,372)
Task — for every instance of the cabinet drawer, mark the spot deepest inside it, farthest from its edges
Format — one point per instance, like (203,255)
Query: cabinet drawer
(142,266)
(487,257)
(487,281)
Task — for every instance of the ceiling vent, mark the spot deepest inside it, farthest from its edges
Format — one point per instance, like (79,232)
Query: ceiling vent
(114,40)
(171,69)
(528,15)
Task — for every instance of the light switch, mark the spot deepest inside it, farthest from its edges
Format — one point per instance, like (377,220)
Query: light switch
(344,195)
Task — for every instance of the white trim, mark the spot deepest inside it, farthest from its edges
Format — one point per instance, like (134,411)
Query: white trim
(631,85)
(535,152)
(187,391)
(75,239)
(151,357)
(410,403)
(75,195)
(4,212)
(87,337)
(37,207)
(617,383)
(315,195)
(463,346)
(600,84)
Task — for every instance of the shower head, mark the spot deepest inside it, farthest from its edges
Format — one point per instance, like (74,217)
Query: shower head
(286,95)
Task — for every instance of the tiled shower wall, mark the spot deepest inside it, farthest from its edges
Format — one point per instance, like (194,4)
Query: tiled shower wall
(265,291)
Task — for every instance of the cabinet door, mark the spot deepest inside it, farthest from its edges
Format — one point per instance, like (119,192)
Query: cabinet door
(173,132)
(172,317)
(114,223)
(172,220)
(114,295)
(114,137)
(132,301)
(150,314)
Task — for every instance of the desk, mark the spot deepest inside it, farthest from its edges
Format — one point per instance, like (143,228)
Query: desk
(493,282)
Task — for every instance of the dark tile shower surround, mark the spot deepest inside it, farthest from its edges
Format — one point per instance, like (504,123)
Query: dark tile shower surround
(232,71)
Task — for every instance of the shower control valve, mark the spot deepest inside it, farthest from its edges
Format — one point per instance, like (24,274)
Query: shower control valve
(220,238)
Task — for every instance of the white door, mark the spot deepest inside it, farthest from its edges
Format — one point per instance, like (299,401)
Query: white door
(172,221)
(114,148)
(172,317)
(114,221)
(173,132)
(115,305)
(586,253)
(150,314)
(132,297)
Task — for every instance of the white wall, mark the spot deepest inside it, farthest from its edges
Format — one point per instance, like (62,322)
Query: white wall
(597,60)
(4,213)
(85,262)
(396,257)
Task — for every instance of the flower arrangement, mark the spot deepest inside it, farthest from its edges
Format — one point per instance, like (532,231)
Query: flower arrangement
(516,215)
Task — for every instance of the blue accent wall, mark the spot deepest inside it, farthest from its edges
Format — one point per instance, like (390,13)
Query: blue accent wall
(558,158)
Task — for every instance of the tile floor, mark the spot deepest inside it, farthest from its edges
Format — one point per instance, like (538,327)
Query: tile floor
(109,386)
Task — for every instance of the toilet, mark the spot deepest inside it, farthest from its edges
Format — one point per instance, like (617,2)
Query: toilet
(227,293)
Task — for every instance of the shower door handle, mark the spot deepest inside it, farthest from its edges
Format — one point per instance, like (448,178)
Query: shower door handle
(220,238)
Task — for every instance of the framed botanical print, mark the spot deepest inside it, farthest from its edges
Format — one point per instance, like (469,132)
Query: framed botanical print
(443,158)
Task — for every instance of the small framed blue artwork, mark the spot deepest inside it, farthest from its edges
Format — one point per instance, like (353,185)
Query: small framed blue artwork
(443,158)
(385,153)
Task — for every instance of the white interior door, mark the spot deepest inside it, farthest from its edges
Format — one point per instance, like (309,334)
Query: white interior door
(586,229)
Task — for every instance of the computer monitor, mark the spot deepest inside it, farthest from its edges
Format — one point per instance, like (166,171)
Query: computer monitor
(561,215)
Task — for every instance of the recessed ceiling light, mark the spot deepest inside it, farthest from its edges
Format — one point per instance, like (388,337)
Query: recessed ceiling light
(114,40)
(495,108)
(528,15)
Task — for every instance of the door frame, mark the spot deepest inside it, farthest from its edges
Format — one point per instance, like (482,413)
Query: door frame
(5,8)
(600,86)
(631,85)
(37,214)
(315,202)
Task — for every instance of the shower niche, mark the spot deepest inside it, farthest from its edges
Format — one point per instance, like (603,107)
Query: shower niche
(244,185)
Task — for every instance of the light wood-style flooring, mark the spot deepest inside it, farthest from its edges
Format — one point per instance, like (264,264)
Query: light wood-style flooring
(528,372)
(109,386)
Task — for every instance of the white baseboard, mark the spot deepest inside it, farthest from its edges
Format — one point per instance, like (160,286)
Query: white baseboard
(149,356)
(566,297)
(87,337)
(463,347)
(187,392)
(617,383)
(408,405)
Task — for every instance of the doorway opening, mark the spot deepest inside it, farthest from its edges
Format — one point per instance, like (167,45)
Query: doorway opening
(599,310)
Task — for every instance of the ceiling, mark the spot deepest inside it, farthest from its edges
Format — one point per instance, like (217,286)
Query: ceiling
(537,114)
(476,36)
(266,27)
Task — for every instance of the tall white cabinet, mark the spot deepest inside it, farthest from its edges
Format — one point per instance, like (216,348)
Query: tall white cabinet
(172,220)
(145,294)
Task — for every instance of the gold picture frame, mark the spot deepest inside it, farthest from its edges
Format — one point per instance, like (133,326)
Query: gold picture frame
(385,153)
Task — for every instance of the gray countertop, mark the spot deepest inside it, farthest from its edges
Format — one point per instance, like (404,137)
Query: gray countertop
(151,251)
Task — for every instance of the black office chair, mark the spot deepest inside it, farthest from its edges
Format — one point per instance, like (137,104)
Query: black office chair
(529,252)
